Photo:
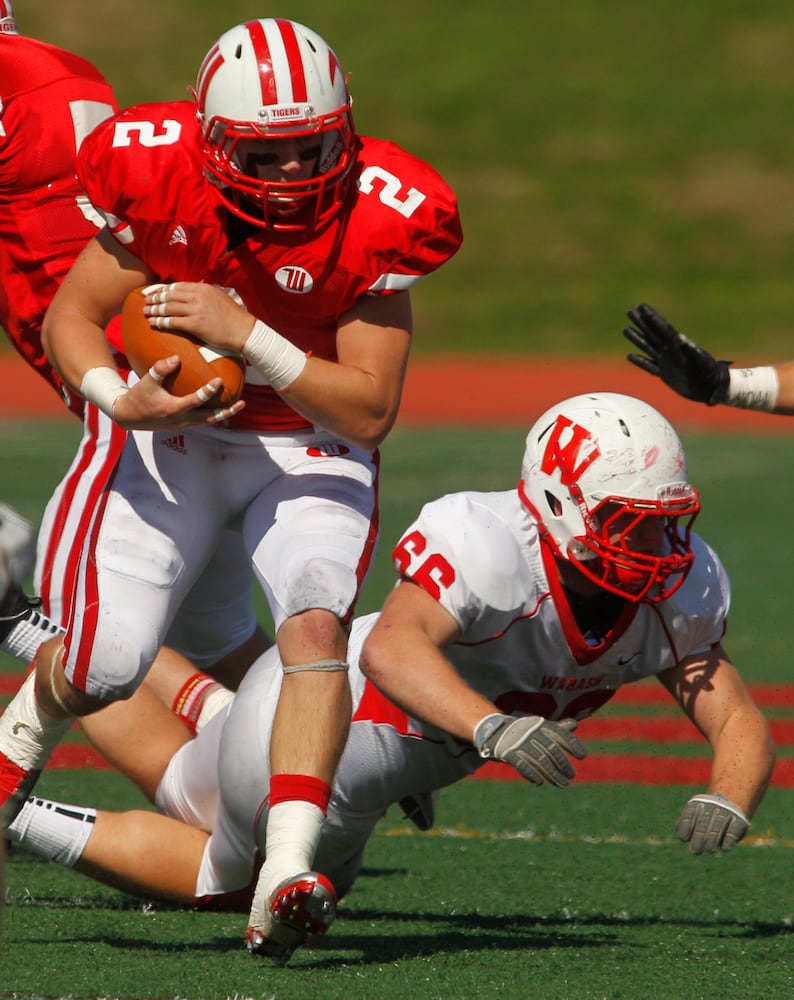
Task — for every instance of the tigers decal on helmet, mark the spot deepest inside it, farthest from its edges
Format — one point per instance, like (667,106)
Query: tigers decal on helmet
(275,79)
(605,477)
(8,24)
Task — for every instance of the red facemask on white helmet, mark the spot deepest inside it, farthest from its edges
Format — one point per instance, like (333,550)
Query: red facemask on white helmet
(8,25)
(275,79)
(605,477)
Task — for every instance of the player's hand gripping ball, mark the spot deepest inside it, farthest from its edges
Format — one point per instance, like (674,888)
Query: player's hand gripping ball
(144,345)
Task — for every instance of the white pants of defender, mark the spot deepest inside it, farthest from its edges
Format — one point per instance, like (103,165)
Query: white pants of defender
(215,781)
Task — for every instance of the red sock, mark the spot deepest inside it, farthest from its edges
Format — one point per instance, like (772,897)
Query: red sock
(302,787)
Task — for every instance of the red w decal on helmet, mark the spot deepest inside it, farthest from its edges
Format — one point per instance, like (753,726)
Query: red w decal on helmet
(572,458)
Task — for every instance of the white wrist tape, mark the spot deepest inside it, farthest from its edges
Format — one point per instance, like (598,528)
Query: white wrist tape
(102,387)
(753,388)
(280,361)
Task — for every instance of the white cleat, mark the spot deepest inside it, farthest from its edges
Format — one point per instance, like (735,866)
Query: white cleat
(301,907)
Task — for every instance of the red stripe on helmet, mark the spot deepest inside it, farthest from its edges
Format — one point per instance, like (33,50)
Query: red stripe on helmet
(212,63)
(264,61)
(333,66)
(294,60)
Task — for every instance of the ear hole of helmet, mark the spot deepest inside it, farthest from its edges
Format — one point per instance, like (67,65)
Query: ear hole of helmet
(554,504)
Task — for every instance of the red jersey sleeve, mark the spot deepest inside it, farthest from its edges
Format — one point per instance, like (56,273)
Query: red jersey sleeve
(142,171)
(413,224)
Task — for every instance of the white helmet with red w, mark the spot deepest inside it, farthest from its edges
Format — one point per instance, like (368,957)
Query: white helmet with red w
(8,24)
(275,79)
(605,477)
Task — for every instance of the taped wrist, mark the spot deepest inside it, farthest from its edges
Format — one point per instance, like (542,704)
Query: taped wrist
(279,360)
(102,387)
(753,388)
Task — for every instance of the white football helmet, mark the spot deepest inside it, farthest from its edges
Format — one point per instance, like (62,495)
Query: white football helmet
(275,79)
(8,24)
(605,477)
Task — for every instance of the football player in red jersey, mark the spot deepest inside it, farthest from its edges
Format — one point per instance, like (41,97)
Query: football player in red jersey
(271,228)
(50,100)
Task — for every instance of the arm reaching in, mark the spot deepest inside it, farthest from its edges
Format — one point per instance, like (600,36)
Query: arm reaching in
(715,699)
(692,372)
(403,657)
(680,363)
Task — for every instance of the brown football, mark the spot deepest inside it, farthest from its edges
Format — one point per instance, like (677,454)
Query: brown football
(144,345)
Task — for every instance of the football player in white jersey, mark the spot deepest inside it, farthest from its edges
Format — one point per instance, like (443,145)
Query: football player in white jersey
(544,600)
(695,374)
(517,614)
(261,221)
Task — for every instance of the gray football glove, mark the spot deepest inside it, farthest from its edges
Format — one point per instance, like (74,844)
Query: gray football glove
(711,823)
(535,747)
(688,369)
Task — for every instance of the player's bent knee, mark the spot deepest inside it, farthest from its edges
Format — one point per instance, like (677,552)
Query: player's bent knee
(321,585)
(79,704)
(119,662)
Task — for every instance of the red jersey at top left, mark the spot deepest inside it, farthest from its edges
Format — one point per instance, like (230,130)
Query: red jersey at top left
(50,100)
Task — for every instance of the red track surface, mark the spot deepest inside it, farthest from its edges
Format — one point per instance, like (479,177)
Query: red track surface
(469,392)
(641,769)
(667,728)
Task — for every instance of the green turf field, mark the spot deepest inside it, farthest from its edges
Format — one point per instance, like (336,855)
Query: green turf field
(519,891)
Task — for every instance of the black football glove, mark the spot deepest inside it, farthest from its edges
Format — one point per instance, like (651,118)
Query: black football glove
(688,369)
